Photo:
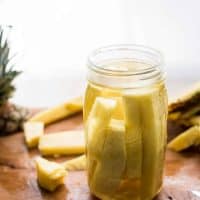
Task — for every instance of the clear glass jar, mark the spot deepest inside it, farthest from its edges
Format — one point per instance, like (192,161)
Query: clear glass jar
(125,117)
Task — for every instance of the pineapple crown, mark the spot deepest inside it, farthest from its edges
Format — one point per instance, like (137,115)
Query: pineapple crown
(7,74)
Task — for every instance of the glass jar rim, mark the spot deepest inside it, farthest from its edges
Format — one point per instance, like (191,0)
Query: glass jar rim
(146,50)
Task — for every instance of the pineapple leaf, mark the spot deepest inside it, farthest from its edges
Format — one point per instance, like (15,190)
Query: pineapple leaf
(7,73)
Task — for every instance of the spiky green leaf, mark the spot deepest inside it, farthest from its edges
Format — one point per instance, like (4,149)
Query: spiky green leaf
(7,73)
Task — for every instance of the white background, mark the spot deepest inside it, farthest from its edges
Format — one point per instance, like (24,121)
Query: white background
(54,38)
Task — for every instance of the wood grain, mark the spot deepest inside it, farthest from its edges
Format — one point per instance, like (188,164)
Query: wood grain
(18,178)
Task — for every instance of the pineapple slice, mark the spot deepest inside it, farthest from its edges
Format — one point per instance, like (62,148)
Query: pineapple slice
(153,117)
(111,165)
(119,112)
(59,112)
(188,138)
(62,143)
(116,95)
(32,132)
(99,118)
(78,163)
(133,136)
(49,174)
(90,97)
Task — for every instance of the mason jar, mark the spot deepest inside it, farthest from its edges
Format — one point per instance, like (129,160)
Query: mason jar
(125,119)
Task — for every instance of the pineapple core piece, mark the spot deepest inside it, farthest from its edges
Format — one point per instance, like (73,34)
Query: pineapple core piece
(59,112)
(49,174)
(32,132)
(186,139)
(62,143)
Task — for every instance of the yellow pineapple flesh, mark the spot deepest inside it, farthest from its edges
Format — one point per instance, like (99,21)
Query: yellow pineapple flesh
(186,139)
(32,132)
(59,112)
(50,175)
(78,163)
(62,143)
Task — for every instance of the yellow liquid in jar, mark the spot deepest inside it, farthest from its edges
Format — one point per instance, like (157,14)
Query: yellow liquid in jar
(126,156)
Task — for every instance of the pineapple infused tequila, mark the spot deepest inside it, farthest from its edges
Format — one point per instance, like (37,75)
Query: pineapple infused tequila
(125,117)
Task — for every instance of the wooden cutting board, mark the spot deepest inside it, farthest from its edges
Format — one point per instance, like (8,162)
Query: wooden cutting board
(18,178)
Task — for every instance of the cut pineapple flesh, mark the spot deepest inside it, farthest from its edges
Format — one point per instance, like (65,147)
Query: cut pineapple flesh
(133,135)
(153,138)
(59,112)
(32,132)
(188,138)
(78,163)
(100,116)
(90,99)
(140,144)
(62,143)
(98,120)
(111,163)
(50,175)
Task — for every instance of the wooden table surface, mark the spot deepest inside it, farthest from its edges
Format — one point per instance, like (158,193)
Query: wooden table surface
(18,178)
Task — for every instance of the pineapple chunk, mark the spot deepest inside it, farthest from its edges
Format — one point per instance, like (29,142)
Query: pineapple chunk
(186,139)
(32,132)
(59,112)
(49,174)
(62,143)
(78,163)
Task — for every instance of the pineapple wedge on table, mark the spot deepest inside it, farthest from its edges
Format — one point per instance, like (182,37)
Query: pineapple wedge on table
(186,106)
(62,143)
(75,164)
(186,111)
(191,137)
(12,116)
(50,175)
(59,112)
(32,132)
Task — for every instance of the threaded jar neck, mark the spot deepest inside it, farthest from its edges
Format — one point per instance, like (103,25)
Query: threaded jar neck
(125,66)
